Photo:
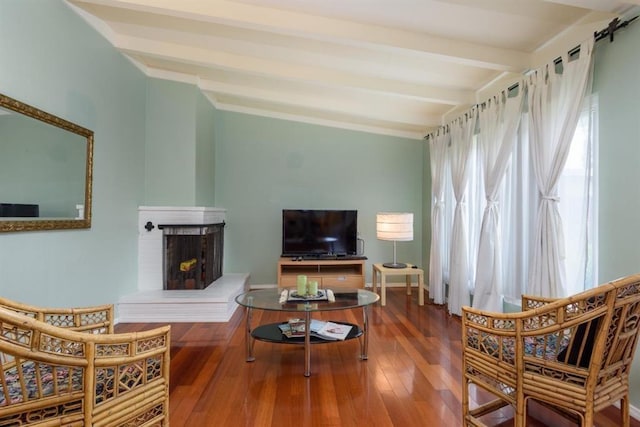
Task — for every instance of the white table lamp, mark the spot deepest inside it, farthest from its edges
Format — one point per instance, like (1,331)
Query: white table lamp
(395,226)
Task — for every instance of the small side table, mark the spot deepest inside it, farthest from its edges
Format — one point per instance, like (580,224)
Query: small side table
(379,269)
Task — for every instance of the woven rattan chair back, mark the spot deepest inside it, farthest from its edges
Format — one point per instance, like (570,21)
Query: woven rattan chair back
(571,354)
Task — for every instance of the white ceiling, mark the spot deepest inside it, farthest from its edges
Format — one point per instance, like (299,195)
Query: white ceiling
(393,67)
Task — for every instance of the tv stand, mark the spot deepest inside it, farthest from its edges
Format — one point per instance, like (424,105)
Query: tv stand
(340,271)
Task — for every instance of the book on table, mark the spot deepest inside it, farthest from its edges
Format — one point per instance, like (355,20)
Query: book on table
(331,331)
(336,331)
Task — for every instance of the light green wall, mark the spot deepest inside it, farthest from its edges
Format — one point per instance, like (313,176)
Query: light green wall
(618,87)
(53,60)
(205,153)
(170,151)
(265,165)
(180,149)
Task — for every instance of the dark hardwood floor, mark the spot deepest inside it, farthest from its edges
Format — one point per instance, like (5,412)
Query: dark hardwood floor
(412,376)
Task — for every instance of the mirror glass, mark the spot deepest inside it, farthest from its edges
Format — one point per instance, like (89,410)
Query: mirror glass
(45,170)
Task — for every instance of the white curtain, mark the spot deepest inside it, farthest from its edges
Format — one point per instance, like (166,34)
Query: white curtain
(554,101)
(579,200)
(438,155)
(521,198)
(498,121)
(462,131)
(517,216)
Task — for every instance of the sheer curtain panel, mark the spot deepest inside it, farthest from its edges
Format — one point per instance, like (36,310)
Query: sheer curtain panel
(498,121)
(438,154)
(554,101)
(462,131)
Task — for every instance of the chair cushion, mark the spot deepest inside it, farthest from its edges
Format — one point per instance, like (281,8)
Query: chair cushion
(33,374)
(543,347)
(590,329)
(44,380)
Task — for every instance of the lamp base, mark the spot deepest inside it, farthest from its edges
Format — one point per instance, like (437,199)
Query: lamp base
(394,265)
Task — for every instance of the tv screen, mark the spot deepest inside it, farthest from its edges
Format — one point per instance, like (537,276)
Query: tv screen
(319,232)
(19,210)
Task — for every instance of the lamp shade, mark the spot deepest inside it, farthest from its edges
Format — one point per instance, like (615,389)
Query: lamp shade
(396,226)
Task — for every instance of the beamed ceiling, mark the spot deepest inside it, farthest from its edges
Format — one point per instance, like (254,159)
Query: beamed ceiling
(393,67)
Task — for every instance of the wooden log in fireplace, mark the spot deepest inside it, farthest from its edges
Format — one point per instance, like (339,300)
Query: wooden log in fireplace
(192,256)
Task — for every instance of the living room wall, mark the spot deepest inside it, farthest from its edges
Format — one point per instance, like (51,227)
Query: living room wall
(264,165)
(53,60)
(205,152)
(180,145)
(617,67)
(170,150)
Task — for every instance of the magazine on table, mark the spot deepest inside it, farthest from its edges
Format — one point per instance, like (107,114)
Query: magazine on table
(293,328)
(331,331)
(336,331)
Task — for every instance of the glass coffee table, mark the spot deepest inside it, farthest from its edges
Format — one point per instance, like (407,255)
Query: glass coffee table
(285,300)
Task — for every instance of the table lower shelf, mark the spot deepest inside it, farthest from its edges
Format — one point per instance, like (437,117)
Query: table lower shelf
(272,333)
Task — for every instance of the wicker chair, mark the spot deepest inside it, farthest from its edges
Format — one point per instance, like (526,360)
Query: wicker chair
(571,354)
(67,367)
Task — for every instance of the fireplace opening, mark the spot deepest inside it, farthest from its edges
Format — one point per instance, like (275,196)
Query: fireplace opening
(192,255)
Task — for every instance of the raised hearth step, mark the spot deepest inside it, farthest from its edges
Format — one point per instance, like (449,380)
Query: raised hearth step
(215,303)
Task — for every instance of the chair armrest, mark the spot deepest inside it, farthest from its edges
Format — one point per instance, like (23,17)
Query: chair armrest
(538,333)
(488,334)
(549,330)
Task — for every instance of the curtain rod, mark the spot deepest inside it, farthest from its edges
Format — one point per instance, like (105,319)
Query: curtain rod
(613,26)
(609,31)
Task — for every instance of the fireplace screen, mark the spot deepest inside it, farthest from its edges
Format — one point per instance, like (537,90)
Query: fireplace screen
(192,255)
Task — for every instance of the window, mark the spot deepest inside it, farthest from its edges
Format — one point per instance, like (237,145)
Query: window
(519,203)
(578,199)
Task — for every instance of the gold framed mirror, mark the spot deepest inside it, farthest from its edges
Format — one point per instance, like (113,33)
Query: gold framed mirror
(46,169)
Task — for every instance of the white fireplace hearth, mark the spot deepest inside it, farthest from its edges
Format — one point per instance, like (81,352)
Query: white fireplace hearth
(216,303)
(152,303)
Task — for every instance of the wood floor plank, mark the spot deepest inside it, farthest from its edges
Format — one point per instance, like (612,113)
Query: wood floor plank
(412,377)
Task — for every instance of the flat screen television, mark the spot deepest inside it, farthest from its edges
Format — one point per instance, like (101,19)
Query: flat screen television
(312,233)
(19,210)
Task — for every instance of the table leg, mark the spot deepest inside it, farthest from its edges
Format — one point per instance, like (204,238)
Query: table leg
(249,338)
(364,349)
(307,344)
(421,288)
(407,279)
(383,289)
(374,281)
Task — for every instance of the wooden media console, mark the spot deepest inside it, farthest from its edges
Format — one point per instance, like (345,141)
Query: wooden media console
(334,272)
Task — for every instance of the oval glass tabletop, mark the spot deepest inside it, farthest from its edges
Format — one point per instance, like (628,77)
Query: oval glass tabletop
(286,299)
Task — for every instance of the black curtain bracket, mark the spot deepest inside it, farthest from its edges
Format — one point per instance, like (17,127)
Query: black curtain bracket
(613,26)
